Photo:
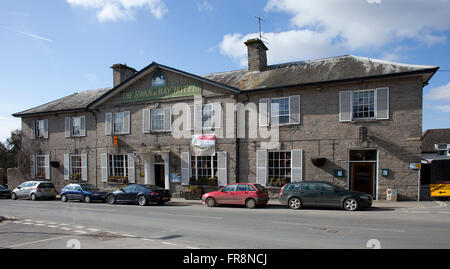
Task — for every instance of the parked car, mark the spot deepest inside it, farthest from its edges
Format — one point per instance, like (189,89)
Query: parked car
(83,192)
(322,194)
(34,190)
(247,194)
(4,192)
(140,194)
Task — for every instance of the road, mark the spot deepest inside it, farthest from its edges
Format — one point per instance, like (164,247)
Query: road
(56,225)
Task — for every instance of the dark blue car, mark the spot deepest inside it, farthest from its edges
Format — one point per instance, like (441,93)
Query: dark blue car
(140,194)
(4,192)
(82,192)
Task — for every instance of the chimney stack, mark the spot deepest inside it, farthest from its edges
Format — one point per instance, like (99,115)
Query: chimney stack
(257,56)
(122,72)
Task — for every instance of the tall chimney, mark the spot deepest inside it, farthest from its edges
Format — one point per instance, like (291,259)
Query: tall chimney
(122,72)
(257,57)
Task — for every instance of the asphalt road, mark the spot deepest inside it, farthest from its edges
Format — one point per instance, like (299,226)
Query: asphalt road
(56,225)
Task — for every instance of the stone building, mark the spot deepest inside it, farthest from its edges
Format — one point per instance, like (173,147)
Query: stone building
(341,119)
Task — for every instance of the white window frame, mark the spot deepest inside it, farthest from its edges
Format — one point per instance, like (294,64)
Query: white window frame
(39,128)
(152,120)
(443,148)
(72,167)
(273,115)
(279,167)
(72,126)
(211,118)
(122,114)
(196,161)
(37,167)
(374,105)
(112,165)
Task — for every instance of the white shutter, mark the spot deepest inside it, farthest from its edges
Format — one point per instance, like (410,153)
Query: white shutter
(217,108)
(297,165)
(382,103)
(264,111)
(67,128)
(146,121)
(47,166)
(167,119)
(108,123)
(66,166)
(33,166)
(84,167)
(185,168)
(83,126)
(131,169)
(294,109)
(45,128)
(104,165)
(222,178)
(198,117)
(261,167)
(345,106)
(126,122)
(190,117)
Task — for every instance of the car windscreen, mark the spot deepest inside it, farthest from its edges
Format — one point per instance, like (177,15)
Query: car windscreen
(152,187)
(2,188)
(46,186)
(89,187)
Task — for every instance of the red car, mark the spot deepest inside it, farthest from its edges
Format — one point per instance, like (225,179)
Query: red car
(247,194)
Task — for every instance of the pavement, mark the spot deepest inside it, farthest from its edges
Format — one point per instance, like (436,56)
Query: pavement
(376,204)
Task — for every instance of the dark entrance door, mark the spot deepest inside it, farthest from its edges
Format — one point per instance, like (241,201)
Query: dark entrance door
(363,177)
(159,175)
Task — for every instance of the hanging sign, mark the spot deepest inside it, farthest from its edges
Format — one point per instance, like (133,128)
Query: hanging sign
(203,145)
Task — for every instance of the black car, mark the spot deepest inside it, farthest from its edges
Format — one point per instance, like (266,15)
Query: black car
(4,192)
(322,194)
(140,194)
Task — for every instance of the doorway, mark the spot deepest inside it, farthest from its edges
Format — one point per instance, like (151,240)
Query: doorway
(363,171)
(160,175)
(363,177)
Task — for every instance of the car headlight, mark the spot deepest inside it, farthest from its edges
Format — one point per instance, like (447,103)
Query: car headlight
(364,197)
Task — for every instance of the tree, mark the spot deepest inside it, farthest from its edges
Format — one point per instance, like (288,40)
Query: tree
(10,150)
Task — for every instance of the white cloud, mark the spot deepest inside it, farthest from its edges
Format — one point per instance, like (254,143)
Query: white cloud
(444,108)
(112,10)
(204,6)
(439,93)
(324,27)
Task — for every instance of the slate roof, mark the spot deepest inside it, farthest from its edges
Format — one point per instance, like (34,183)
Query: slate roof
(74,102)
(340,68)
(327,70)
(434,136)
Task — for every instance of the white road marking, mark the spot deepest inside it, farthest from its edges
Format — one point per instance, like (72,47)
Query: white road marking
(35,242)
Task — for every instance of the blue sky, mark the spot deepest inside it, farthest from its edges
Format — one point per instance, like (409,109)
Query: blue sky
(50,49)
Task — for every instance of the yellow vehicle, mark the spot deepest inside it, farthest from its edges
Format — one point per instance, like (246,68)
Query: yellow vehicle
(440,190)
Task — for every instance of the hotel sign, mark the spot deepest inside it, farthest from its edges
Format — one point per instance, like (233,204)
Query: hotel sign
(161,92)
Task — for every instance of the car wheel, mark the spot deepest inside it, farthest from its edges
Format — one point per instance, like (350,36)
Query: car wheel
(295,203)
(13,196)
(64,198)
(110,200)
(142,201)
(87,199)
(33,197)
(210,202)
(250,203)
(351,204)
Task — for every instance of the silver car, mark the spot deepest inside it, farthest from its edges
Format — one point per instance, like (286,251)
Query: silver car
(34,190)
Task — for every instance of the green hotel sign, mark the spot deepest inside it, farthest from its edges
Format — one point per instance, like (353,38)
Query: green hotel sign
(161,92)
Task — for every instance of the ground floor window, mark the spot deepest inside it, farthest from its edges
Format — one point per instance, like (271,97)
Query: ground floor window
(279,167)
(75,167)
(204,169)
(118,168)
(40,167)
